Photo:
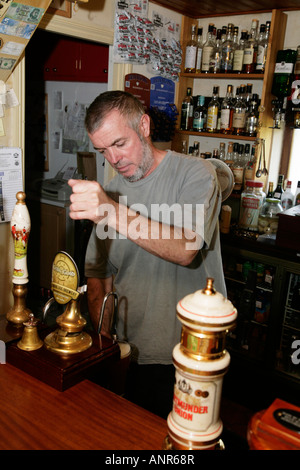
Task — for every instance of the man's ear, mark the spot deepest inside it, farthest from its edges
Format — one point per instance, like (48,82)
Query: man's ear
(145,125)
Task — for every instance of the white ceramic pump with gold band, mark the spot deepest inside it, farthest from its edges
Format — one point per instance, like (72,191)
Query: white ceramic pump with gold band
(201,362)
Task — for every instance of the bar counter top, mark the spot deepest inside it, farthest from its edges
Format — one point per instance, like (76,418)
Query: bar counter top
(35,416)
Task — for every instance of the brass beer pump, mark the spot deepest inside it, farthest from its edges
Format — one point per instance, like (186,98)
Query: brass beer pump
(201,362)
(69,338)
(20,229)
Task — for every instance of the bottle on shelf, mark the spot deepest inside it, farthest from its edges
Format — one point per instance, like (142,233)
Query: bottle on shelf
(262,47)
(229,155)
(228,51)
(213,111)
(222,153)
(191,52)
(227,112)
(199,50)
(184,147)
(216,57)
(250,51)
(287,198)
(200,115)
(270,193)
(239,115)
(252,117)
(196,149)
(238,55)
(279,188)
(208,48)
(215,154)
(250,160)
(283,73)
(238,168)
(224,33)
(261,50)
(187,109)
(297,198)
(248,96)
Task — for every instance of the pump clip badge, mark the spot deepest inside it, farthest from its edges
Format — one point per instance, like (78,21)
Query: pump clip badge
(65,278)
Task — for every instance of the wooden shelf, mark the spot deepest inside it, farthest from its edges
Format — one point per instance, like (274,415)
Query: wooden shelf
(244,76)
(217,135)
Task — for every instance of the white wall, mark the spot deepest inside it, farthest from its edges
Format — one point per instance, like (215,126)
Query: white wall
(83,93)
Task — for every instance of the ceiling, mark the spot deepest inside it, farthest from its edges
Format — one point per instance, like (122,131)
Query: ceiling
(200,9)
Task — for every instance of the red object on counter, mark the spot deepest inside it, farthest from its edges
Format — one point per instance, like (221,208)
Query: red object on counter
(277,428)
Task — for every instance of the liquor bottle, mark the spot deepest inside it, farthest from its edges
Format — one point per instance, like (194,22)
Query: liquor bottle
(270,193)
(227,112)
(191,52)
(216,56)
(200,115)
(213,111)
(187,109)
(261,50)
(229,155)
(227,51)
(279,190)
(283,73)
(287,198)
(250,51)
(199,50)
(235,152)
(208,49)
(249,159)
(239,115)
(238,168)
(262,47)
(216,154)
(252,117)
(297,198)
(196,151)
(238,55)
(184,147)
(248,96)
(235,38)
(222,154)
(224,33)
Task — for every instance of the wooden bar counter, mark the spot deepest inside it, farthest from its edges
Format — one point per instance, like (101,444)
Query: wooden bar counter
(35,416)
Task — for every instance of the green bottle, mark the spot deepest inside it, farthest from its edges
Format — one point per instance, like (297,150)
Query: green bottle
(283,73)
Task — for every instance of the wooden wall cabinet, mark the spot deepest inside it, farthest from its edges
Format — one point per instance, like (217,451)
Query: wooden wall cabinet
(276,41)
(74,60)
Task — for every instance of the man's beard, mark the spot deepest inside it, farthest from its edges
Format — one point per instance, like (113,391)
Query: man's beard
(145,165)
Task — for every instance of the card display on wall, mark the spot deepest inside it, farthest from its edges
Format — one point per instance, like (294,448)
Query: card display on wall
(18,22)
(139,40)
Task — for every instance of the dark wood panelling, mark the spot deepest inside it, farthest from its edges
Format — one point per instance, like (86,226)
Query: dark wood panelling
(198,9)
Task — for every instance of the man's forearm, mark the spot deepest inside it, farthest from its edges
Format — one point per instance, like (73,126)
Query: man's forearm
(171,243)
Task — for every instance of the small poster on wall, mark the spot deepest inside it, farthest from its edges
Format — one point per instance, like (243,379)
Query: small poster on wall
(139,86)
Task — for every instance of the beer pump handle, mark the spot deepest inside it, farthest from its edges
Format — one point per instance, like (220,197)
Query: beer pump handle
(115,314)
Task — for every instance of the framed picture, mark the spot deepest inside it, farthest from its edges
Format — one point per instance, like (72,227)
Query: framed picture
(60,7)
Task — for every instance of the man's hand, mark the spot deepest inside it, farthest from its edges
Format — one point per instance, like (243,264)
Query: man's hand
(85,200)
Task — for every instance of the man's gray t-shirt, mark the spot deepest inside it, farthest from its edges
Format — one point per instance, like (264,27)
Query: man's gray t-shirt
(149,287)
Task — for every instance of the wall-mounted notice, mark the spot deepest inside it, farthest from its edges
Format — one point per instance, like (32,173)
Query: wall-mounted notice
(139,86)
(11,180)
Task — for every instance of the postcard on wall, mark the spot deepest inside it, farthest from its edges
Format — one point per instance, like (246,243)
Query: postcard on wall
(11,180)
